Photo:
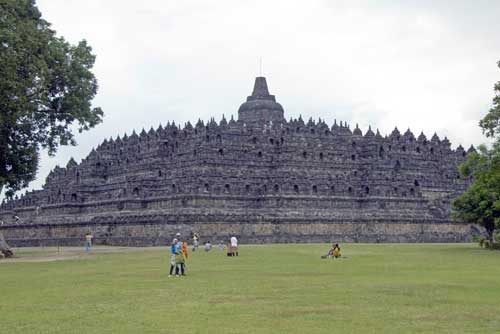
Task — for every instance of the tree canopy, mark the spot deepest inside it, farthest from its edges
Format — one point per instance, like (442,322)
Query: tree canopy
(480,204)
(491,122)
(46,89)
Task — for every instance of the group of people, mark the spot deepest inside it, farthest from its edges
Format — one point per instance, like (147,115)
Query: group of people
(232,247)
(179,252)
(178,256)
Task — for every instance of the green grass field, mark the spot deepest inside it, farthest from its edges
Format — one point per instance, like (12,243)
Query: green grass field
(382,288)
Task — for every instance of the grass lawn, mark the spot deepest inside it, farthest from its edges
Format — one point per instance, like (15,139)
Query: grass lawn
(376,288)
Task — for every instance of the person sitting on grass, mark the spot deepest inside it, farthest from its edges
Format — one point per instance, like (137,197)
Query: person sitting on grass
(208,246)
(336,251)
(333,252)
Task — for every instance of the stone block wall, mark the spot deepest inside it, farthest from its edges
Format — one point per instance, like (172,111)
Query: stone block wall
(156,233)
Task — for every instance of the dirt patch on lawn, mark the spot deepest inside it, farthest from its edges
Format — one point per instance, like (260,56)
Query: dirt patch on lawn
(50,254)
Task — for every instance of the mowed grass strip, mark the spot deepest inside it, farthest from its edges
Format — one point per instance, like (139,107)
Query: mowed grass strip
(376,288)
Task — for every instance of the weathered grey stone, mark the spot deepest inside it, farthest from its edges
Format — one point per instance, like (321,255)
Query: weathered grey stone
(261,177)
(5,250)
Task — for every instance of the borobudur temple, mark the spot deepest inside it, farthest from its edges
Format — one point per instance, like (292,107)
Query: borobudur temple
(261,178)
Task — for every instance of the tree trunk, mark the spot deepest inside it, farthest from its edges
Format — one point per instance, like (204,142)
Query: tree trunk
(490,228)
(4,248)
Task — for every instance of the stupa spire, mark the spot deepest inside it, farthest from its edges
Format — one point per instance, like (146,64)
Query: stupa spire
(261,107)
(260,88)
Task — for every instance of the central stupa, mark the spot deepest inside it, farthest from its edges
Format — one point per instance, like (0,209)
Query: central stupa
(261,107)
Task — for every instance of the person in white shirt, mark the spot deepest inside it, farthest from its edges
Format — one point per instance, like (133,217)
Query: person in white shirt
(195,242)
(234,246)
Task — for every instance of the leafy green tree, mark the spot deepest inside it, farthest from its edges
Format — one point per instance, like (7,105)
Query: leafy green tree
(480,204)
(491,122)
(46,89)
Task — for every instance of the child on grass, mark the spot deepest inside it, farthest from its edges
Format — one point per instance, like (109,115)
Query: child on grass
(185,249)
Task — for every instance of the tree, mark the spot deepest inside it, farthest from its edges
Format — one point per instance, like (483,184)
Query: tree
(480,204)
(491,122)
(46,89)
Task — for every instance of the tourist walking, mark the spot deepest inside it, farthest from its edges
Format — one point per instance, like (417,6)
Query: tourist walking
(88,242)
(234,246)
(195,242)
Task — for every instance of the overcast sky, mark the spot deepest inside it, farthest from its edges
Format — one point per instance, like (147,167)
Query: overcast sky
(427,65)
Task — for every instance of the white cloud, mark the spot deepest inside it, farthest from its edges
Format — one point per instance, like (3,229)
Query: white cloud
(429,65)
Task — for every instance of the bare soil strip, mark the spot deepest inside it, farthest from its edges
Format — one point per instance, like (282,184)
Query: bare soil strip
(49,254)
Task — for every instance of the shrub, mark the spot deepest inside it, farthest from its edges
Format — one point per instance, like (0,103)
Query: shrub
(477,238)
(495,245)
(481,242)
